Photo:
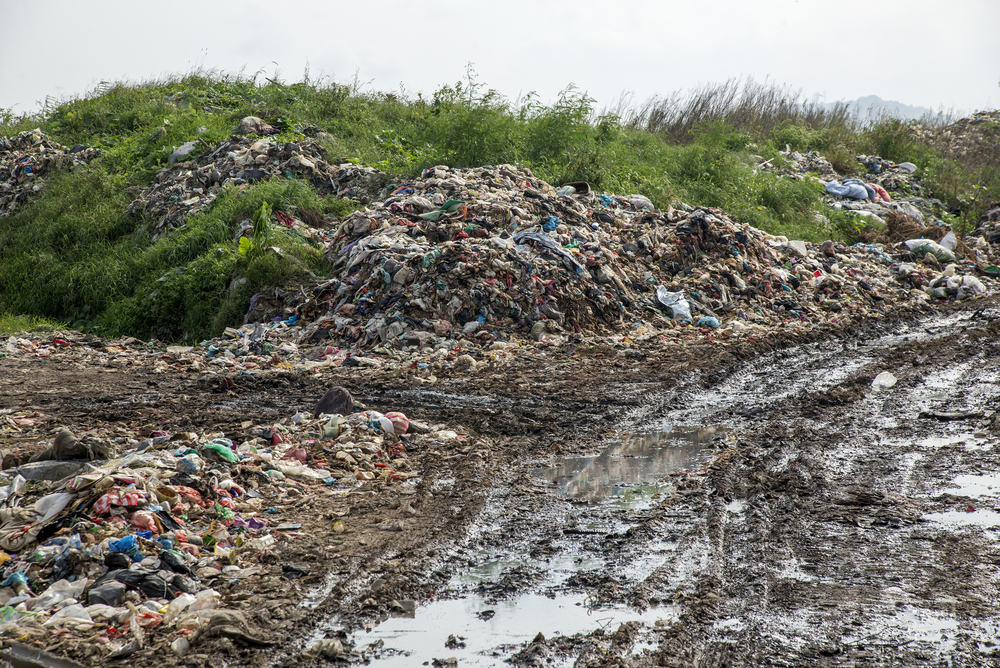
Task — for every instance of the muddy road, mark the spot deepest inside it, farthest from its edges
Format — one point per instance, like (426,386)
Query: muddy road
(779,511)
(710,505)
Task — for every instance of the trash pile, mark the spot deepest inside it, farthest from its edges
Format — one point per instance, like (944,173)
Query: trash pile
(485,253)
(975,134)
(494,255)
(885,187)
(110,535)
(188,186)
(27,159)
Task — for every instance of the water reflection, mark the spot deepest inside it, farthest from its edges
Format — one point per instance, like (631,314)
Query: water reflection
(632,469)
(491,630)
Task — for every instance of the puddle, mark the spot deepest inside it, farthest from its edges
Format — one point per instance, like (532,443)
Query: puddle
(916,625)
(975,486)
(622,478)
(969,441)
(631,471)
(959,518)
(492,631)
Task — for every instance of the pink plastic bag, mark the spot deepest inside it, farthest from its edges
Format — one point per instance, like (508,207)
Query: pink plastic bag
(144,521)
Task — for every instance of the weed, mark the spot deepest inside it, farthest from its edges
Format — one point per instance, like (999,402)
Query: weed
(18,324)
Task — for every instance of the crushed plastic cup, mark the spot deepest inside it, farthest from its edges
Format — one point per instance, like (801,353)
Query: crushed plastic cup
(178,606)
(883,381)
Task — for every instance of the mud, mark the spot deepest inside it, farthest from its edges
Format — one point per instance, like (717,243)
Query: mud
(758,505)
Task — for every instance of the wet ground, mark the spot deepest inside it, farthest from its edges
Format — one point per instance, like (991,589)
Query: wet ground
(709,506)
(787,514)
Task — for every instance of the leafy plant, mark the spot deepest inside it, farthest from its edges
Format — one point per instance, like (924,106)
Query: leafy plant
(254,245)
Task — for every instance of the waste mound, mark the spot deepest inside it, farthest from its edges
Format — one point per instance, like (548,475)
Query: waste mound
(133,537)
(479,252)
(189,186)
(28,159)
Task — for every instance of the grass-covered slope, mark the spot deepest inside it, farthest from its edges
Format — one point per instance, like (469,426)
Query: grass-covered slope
(79,252)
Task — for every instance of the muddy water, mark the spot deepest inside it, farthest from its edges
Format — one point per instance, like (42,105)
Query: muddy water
(485,626)
(634,470)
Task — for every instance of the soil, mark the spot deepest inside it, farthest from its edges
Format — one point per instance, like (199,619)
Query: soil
(821,529)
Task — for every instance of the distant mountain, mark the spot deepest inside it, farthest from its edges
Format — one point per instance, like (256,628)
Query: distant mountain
(873,105)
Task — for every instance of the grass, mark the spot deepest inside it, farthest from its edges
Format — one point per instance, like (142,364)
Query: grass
(76,255)
(22,324)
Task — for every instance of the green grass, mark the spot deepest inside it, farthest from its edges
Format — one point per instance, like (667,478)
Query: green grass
(25,324)
(75,255)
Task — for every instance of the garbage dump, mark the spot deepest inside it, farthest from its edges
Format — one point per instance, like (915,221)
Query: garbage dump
(483,253)
(28,160)
(136,538)
(494,255)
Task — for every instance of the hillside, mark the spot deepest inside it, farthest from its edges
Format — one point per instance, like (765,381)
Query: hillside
(123,210)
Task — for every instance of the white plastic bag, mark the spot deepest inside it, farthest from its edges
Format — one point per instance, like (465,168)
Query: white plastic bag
(59,591)
(883,381)
(676,302)
(51,505)
(177,606)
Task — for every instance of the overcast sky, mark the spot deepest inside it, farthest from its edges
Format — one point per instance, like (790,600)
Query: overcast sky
(930,53)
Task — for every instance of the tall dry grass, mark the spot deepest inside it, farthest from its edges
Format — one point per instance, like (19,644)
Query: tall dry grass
(747,106)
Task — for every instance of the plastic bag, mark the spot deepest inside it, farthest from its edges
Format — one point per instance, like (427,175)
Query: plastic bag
(58,592)
(400,423)
(966,286)
(125,545)
(924,246)
(71,613)
(205,600)
(176,607)
(52,504)
(884,380)
(676,302)
(15,488)
(333,428)
(190,464)
(221,451)
(950,241)
(144,521)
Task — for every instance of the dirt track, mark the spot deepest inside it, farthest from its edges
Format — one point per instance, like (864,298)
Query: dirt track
(805,541)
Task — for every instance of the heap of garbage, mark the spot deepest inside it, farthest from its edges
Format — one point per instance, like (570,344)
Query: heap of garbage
(28,159)
(137,538)
(484,253)
(494,254)
(192,182)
